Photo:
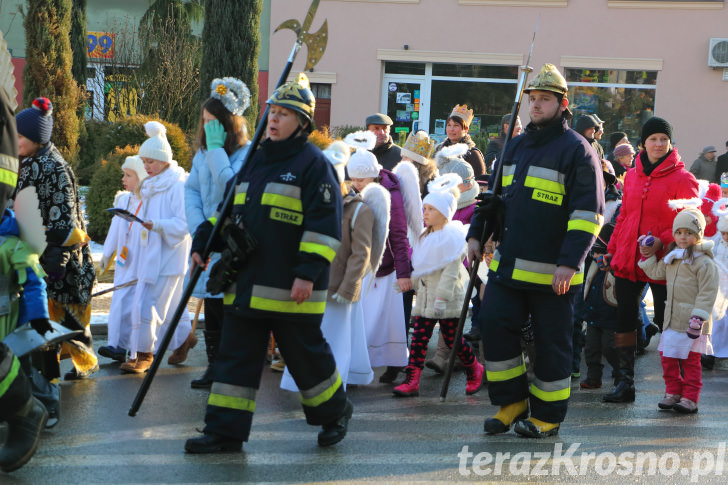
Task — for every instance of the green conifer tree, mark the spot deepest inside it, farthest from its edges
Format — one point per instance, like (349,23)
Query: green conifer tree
(230,47)
(48,68)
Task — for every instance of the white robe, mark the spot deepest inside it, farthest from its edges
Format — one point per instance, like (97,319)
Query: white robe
(162,262)
(720,317)
(343,329)
(122,234)
(384,321)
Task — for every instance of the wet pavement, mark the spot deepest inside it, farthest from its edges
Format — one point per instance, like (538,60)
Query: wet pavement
(390,439)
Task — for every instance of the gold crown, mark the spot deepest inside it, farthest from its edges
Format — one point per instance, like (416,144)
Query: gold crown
(463,112)
(419,146)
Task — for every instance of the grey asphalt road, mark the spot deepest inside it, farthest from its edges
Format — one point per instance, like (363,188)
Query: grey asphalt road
(390,440)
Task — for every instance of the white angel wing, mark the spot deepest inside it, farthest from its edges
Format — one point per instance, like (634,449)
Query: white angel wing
(364,140)
(30,222)
(695,203)
(379,201)
(720,207)
(409,186)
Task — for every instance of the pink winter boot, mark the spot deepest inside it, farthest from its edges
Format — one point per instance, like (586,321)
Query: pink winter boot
(411,385)
(475,377)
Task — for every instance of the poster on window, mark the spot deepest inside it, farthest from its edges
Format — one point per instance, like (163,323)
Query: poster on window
(403,115)
(404,98)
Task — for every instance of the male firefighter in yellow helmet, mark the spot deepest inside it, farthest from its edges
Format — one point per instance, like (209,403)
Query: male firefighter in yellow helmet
(552,204)
(286,227)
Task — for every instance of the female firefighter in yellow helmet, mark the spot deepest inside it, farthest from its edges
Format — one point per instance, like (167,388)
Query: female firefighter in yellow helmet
(286,219)
(554,190)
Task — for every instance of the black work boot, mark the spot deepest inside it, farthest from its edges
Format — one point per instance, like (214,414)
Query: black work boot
(624,390)
(335,431)
(212,341)
(213,443)
(24,429)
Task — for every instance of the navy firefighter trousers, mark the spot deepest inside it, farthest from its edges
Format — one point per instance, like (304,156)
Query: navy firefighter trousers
(503,312)
(239,363)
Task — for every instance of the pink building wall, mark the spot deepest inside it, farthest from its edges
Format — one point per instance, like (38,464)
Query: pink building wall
(691,95)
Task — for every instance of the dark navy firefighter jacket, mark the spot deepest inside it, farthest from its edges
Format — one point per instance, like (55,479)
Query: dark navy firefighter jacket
(553,190)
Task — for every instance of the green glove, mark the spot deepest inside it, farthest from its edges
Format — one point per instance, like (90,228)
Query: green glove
(215,134)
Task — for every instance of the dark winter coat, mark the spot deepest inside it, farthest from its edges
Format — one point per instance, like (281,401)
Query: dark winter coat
(493,151)
(704,169)
(473,156)
(553,188)
(644,208)
(388,155)
(594,309)
(397,253)
(67,259)
(721,166)
(289,200)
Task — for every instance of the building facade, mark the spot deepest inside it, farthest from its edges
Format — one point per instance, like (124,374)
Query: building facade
(625,60)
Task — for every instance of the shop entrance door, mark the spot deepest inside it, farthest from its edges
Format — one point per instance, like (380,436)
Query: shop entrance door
(406,102)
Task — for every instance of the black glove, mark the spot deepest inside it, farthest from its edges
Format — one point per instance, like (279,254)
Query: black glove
(202,235)
(41,325)
(54,261)
(492,210)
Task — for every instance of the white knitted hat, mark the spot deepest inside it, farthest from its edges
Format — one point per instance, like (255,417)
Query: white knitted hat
(443,194)
(156,146)
(363,163)
(136,165)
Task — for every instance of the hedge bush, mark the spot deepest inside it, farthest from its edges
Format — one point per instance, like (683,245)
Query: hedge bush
(105,183)
(321,138)
(340,132)
(103,137)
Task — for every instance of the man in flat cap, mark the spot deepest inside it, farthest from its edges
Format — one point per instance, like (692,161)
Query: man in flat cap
(387,153)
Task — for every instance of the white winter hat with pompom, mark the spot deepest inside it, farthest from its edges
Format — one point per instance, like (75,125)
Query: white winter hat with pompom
(156,146)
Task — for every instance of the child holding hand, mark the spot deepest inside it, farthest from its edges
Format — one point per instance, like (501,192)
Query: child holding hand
(692,286)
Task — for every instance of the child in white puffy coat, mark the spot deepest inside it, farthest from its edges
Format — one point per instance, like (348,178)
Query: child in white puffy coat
(440,280)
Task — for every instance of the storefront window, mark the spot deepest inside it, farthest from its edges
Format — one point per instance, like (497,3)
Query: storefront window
(623,99)
(489,102)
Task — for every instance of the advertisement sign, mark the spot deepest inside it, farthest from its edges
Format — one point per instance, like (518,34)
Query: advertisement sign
(101,45)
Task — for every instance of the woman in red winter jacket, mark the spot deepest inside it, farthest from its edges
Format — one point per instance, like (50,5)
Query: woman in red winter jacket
(658,176)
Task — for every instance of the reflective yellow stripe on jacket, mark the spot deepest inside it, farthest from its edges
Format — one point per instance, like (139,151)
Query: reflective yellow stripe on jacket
(8,170)
(241,192)
(282,195)
(321,392)
(321,244)
(546,179)
(551,391)
(505,370)
(232,397)
(271,299)
(586,221)
(508,172)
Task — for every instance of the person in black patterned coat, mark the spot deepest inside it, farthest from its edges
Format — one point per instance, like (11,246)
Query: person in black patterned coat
(67,258)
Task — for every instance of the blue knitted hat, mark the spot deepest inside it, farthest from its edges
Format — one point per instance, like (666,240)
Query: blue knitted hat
(36,123)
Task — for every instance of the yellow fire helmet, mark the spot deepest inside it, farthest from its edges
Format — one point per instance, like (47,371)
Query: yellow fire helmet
(295,95)
(549,79)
